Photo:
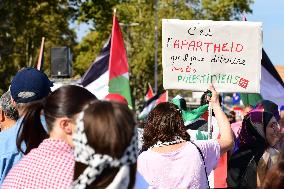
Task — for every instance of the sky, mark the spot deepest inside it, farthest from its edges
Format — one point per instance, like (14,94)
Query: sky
(270,13)
(81,29)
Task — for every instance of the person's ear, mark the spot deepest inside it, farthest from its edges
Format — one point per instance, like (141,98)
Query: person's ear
(66,125)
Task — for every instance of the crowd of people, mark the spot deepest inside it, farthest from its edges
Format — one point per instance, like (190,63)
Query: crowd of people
(67,138)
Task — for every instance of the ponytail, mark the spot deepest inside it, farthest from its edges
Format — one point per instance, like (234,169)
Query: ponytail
(31,131)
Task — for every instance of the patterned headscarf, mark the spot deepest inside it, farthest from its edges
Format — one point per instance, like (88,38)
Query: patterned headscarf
(253,130)
(85,154)
(269,106)
(7,106)
(250,147)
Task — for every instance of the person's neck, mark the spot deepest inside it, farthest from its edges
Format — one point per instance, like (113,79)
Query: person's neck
(7,124)
(60,136)
(21,112)
(170,148)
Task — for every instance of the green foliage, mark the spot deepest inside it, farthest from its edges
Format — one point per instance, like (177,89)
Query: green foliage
(225,9)
(139,37)
(98,11)
(23,24)
(86,51)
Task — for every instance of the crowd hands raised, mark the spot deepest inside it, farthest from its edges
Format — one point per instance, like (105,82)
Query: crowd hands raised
(69,139)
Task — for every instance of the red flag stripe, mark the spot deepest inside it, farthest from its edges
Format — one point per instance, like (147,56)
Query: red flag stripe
(118,62)
(150,93)
(162,98)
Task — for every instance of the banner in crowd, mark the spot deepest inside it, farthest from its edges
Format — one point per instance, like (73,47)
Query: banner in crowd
(196,53)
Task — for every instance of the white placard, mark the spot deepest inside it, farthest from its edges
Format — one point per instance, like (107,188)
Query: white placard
(227,54)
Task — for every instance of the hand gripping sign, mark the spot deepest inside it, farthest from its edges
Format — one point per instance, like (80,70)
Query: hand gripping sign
(196,53)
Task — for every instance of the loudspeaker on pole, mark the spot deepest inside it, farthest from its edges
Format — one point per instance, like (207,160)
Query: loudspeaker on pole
(61,62)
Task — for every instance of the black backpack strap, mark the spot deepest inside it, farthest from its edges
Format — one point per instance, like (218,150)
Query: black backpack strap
(200,152)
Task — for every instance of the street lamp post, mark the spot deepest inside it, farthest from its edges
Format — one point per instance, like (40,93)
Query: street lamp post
(156,45)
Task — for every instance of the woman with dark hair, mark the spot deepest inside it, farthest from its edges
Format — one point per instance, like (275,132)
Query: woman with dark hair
(171,160)
(255,150)
(105,143)
(51,164)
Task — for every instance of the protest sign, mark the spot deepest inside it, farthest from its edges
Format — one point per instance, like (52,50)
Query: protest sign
(227,54)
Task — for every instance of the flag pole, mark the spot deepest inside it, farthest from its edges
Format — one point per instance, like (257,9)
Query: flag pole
(156,45)
(114,12)
(150,87)
(210,118)
(209,121)
(167,96)
(39,62)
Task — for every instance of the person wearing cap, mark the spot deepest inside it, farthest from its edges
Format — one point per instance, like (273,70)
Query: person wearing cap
(51,163)
(27,86)
(8,113)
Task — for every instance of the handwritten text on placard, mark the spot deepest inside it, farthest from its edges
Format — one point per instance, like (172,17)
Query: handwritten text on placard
(197,53)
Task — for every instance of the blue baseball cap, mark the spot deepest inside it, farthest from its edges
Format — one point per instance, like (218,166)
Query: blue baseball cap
(30,84)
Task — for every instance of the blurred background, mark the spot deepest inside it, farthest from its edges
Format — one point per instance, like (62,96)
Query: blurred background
(83,26)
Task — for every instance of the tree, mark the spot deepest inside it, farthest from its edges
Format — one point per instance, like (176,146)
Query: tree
(23,24)
(140,39)
(86,51)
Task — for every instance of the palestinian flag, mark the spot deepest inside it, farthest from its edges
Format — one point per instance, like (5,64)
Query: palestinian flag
(97,76)
(163,98)
(149,93)
(193,119)
(109,72)
(118,66)
(152,102)
(271,85)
